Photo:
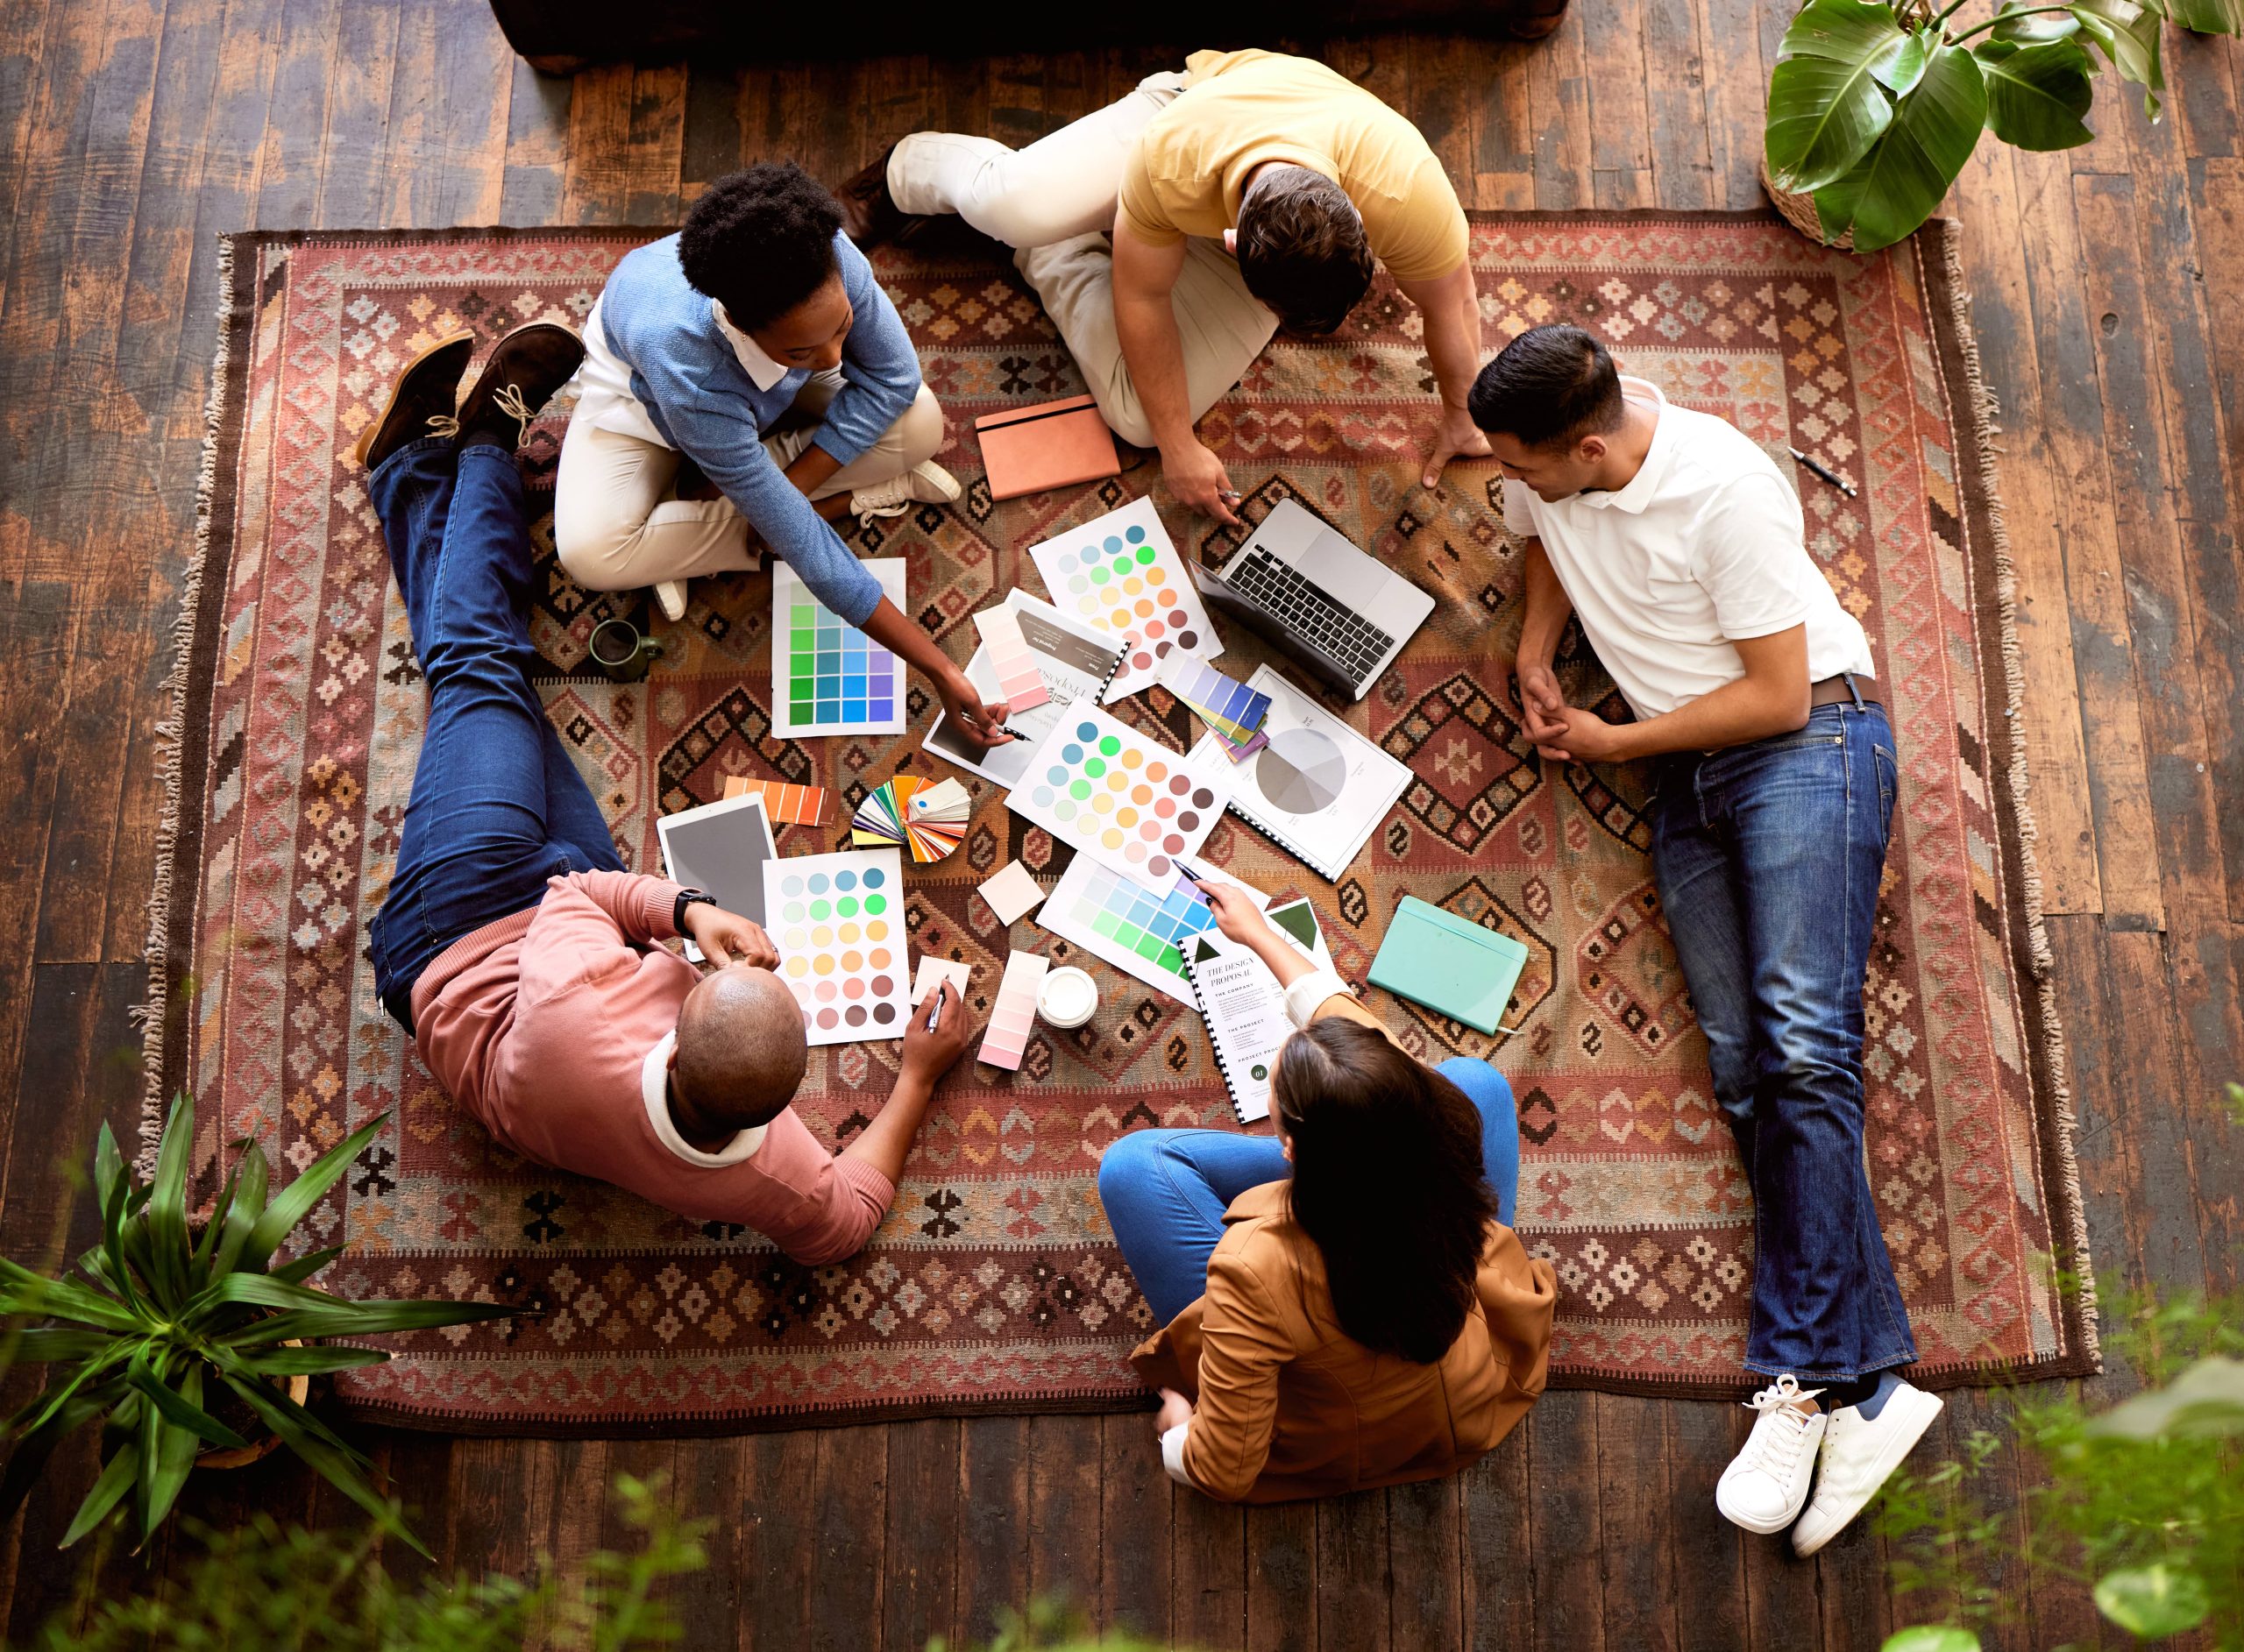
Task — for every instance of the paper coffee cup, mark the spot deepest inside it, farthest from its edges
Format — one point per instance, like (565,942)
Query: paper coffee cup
(1067,998)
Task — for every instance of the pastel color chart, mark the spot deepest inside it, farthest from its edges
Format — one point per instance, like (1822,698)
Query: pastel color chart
(1107,789)
(1120,572)
(1014,1012)
(1019,683)
(828,677)
(838,921)
(1136,929)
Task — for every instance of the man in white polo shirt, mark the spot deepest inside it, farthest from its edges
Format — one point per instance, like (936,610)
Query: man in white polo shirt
(1678,546)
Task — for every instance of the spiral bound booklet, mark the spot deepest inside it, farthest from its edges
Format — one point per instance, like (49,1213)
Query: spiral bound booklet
(1244,1006)
(1075,660)
(1319,790)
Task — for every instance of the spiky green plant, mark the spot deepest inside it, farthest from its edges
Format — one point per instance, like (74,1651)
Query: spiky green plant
(159,1317)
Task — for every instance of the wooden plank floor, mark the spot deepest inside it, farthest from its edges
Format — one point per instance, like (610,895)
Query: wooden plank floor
(2112,317)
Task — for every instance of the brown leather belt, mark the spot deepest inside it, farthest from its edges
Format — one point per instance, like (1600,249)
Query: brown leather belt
(1834,691)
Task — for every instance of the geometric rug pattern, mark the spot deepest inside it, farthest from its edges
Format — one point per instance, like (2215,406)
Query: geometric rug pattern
(994,1283)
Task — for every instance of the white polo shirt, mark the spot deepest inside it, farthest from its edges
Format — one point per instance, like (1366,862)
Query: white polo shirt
(1704,546)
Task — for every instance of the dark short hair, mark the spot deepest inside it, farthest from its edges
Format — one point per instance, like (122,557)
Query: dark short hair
(1302,249)
(1549,386)
(760,241)
(1389,1181)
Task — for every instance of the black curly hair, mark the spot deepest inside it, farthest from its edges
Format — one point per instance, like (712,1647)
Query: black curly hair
(760,241)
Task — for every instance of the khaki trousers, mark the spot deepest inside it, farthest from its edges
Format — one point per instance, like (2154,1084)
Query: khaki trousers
(1051,201)
(615,527)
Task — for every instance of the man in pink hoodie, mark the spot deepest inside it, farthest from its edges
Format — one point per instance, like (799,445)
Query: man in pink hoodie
(513,945)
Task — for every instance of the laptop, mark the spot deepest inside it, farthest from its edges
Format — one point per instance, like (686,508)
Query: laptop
(1341,615)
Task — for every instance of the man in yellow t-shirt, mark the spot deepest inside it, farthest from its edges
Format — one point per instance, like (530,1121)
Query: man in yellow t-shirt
(1253,191)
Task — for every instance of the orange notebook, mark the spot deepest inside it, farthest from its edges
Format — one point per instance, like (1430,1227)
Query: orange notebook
(1056,444)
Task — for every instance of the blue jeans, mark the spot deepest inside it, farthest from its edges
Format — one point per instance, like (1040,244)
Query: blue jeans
(1166,1190)
(497,807)
(1768,857)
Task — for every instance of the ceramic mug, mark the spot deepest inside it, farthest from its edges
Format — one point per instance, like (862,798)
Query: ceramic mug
(619,649)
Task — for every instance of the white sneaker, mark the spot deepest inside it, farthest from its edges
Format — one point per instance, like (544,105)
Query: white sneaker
(924,484)
(671,593)
(1859,1453)
(1766,1483)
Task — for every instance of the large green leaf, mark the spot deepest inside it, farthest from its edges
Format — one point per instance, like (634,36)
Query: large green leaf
(2153,1601)
(167,1216)
(34,1445)
(243,1213)
(297,1362)
(2037,94)
(362,1319)
(115,1481)
(294,1201)
(2208,16)
(35,1296)
(2128,35)
(1826,104)
(120,1271)
(304,1266)
(1931,1637)
(177,1408)
(2022,26)
(254,1290)
(1898,184)
(289,1420)
(174,1455)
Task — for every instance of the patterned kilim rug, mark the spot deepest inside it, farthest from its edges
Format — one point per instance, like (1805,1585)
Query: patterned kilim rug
(994,1284)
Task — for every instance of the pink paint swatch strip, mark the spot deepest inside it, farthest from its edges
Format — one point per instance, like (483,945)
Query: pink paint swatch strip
(1014,1013)
(1019,680)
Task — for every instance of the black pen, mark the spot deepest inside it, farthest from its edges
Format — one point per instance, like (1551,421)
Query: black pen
(1197,876)
(1826,475)
(936,1014)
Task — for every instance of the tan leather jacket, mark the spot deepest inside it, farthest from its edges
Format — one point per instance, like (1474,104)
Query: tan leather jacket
(1289,1406)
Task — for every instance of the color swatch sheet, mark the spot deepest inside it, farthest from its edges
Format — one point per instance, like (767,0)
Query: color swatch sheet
(1138,929)
(1319,788)
(1122,573)
(838,921)
(787,804)
(1019,680)
(828,677)
(1014,1012)
(1227,705)
(1111,792)
(1076,661)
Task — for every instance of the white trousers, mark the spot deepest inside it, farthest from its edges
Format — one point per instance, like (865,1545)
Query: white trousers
(1051,202)
(616,527)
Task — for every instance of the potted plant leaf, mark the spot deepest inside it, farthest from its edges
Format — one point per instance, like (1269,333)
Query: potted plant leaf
(165,1330)
(1875,105)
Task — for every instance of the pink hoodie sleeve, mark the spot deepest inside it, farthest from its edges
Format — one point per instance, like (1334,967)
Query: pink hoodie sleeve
(590,925)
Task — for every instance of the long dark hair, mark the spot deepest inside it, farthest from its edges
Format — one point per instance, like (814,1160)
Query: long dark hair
(1388,1181)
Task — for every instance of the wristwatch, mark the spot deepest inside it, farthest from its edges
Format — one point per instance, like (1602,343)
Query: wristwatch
(687,897)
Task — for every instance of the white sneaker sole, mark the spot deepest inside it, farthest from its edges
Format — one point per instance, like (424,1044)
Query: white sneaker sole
(1761,1527)
(1922,1409)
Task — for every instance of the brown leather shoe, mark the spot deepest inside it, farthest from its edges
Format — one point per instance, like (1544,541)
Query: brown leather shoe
(420,400)
(870,215)
(526,367)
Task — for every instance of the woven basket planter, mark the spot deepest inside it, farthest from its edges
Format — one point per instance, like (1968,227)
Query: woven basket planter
(1799,210)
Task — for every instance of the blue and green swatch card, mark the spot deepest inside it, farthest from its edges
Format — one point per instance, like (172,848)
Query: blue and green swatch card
(828,677)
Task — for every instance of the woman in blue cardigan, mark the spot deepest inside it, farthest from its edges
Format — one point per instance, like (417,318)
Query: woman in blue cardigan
(757,343)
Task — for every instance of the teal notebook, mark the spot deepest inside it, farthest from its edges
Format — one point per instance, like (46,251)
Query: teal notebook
(1449,964)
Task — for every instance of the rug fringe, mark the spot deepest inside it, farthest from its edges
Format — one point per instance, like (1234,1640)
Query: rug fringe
(170,736)
(1983,412)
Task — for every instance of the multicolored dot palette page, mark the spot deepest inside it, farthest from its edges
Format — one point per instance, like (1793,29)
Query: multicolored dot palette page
(828,677)
(1117,796)
(1121,573)
(838,921)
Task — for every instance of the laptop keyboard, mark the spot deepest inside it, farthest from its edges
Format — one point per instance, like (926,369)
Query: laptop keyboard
(1306,610)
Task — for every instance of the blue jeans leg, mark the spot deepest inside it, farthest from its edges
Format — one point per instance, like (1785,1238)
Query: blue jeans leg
(1165,1192)
(1769,857)
(492,781)
(1490,1092)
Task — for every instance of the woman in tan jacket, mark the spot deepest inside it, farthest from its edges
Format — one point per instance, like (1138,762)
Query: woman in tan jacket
(1346,1305)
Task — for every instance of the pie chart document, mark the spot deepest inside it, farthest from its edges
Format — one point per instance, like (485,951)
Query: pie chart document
(1319,790)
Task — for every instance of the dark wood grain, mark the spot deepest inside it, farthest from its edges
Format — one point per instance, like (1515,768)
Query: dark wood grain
(133,132)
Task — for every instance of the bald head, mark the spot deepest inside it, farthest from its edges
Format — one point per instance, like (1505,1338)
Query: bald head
(740,1052)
